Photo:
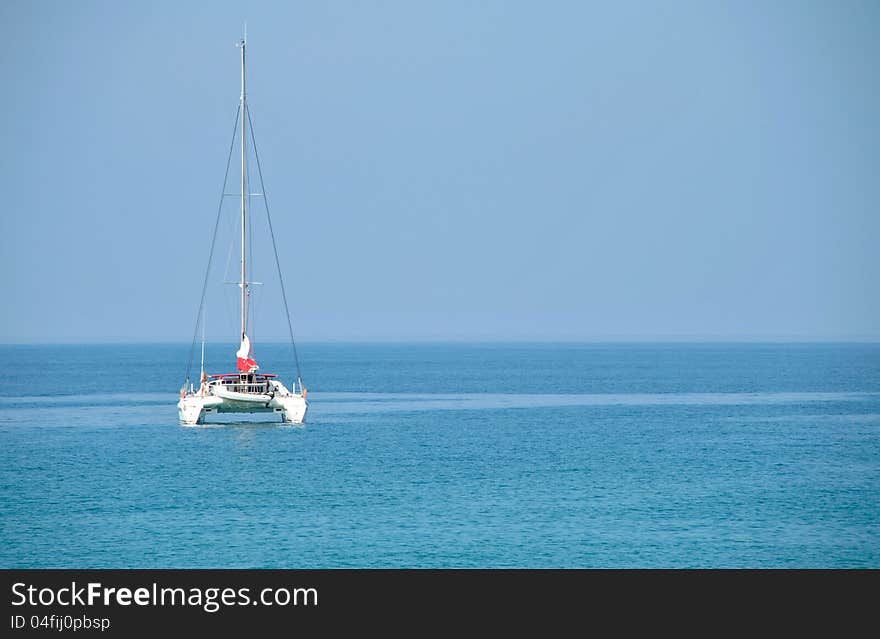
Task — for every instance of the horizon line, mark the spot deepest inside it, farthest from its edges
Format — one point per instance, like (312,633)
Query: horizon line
(865,339)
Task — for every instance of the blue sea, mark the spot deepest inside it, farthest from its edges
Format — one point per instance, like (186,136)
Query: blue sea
(448,455)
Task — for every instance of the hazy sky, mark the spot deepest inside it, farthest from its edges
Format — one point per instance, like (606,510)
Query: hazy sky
(447,170)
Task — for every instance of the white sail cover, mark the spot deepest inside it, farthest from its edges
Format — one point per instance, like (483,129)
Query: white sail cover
(246,364)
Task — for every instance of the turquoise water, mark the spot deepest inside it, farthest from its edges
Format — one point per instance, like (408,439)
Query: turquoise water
(449,455)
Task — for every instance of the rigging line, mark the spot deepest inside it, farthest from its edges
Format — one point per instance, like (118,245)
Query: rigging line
(252,312)
(232,235)
(274,246)
(230,301)
(232,314)
(213,242)
(251,261)
(253,297)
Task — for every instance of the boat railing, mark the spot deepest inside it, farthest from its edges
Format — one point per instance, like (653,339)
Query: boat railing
(247,387)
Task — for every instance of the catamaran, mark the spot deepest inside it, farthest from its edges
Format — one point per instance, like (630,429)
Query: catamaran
(247,390)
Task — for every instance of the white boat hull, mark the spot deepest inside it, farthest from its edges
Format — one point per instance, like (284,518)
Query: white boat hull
(194,409)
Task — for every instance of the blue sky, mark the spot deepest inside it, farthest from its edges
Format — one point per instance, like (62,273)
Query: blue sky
(447,170)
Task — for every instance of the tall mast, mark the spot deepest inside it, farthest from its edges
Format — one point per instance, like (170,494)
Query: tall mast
(244,283)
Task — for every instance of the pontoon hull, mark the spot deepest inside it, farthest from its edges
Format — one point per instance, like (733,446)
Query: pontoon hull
(193,409)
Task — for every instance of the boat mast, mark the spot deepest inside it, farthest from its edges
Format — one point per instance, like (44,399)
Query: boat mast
(244,283)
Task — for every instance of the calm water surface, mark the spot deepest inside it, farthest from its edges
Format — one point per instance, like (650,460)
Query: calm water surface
(449,455)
